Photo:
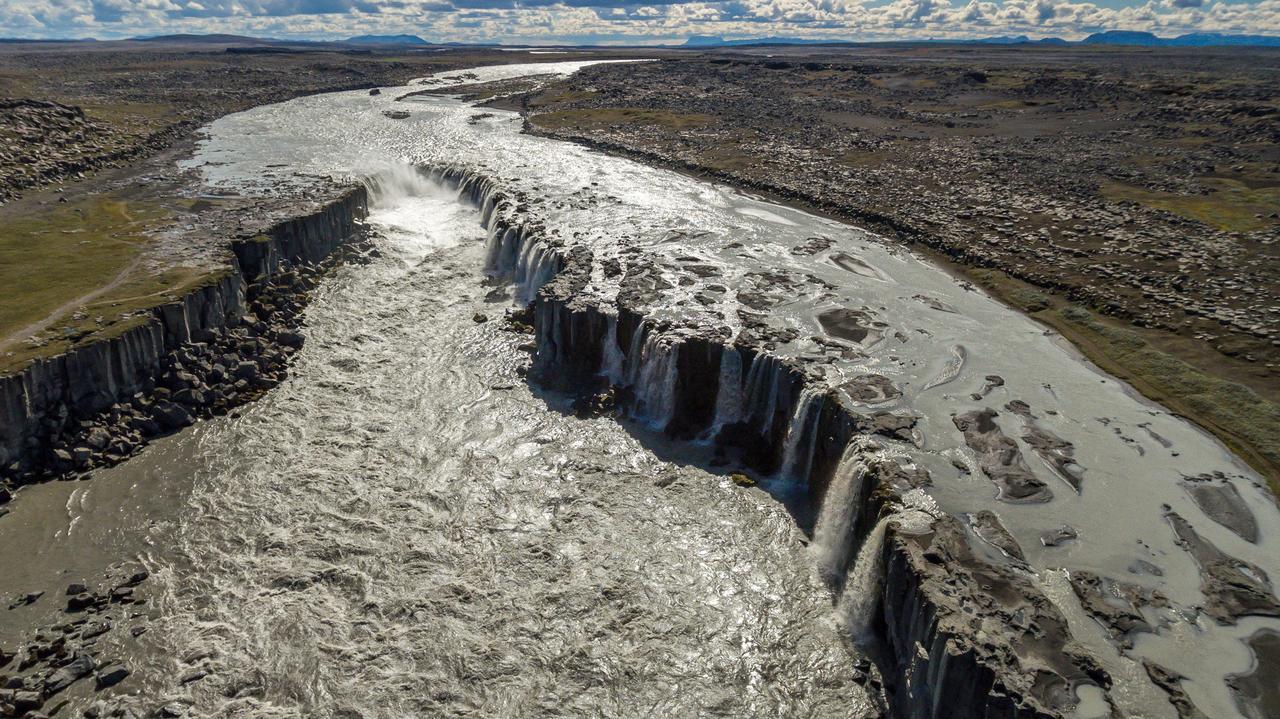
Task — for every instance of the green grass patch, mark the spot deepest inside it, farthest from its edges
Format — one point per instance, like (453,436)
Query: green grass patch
(562,97)
(596,117)
(1231,205)
(50,258)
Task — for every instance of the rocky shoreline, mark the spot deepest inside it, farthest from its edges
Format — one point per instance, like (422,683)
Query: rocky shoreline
(943,621)
(221,345)
(946,622)
(83,645)
(1140,245)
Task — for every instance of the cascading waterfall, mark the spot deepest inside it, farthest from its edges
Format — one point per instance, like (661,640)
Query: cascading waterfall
(833,533)
(390,185)
(613,365)
(536,267)
(655,385)
(855,610)
(760,391)
(864,584)
(798,447)
(729,406)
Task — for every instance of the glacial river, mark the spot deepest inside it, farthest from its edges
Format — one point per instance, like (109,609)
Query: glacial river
(407,527)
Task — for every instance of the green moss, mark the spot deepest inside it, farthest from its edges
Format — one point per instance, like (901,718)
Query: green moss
(1251,424)
(1231,206)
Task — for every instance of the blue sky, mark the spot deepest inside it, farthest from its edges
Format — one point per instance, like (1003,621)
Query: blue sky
(627,21)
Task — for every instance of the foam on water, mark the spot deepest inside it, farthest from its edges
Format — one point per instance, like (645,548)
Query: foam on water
(937,352)
(403,529)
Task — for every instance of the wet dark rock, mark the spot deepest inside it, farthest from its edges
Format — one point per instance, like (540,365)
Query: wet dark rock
(812,246)
(1171,682)
(870,389)
(986,525)
(1258,691)
(847,324)
(1221,502)
(26,600)
(26,701)
(1057,452)
(888,424)
(136,578)
(396,114)
(111,675)
(1057,537)
(1233,588)
(1000,458)
(78,668)
(94,629)
(1116,605)
(172,416)
(290,338)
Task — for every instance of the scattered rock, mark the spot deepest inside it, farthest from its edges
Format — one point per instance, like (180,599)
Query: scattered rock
(1058,537)
(111,675)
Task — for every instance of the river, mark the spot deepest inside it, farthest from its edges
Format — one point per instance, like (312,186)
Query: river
(409,527)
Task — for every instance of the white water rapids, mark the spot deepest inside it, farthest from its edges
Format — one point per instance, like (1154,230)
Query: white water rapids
(406,528)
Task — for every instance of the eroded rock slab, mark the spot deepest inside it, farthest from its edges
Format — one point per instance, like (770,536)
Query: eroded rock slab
(1258,691)
(1219,499)
(1233,588)
(1000,458)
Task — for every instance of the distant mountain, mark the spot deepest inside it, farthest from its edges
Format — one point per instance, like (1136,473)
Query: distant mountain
(1198,39)
(387,40)
(1002,40)
(210,39)
(713,41)
(1123,37)
(1206,39)
(704,41)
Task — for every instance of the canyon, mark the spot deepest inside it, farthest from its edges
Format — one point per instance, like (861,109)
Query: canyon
(560,429)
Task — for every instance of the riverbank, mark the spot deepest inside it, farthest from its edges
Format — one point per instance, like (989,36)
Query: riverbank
(367,538)
(1161,339)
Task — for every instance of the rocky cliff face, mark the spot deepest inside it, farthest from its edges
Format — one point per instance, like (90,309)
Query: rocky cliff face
(956,634)
(65,412)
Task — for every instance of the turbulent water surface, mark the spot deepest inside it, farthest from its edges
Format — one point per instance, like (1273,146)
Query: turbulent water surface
(408,527)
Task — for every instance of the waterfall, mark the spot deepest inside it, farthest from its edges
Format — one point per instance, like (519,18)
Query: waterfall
(771,408)
(536,267)
(655,386)
(838,518)
(862,589)
(795,458)
(755,392)
(729,398)
(614,361)
(634,354)
(396,181)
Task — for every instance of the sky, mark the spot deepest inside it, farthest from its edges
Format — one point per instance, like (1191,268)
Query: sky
(631,21)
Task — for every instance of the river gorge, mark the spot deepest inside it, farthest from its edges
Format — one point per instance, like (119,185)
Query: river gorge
(576,436)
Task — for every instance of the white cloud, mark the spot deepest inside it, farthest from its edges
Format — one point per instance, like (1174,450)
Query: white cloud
(622,21)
